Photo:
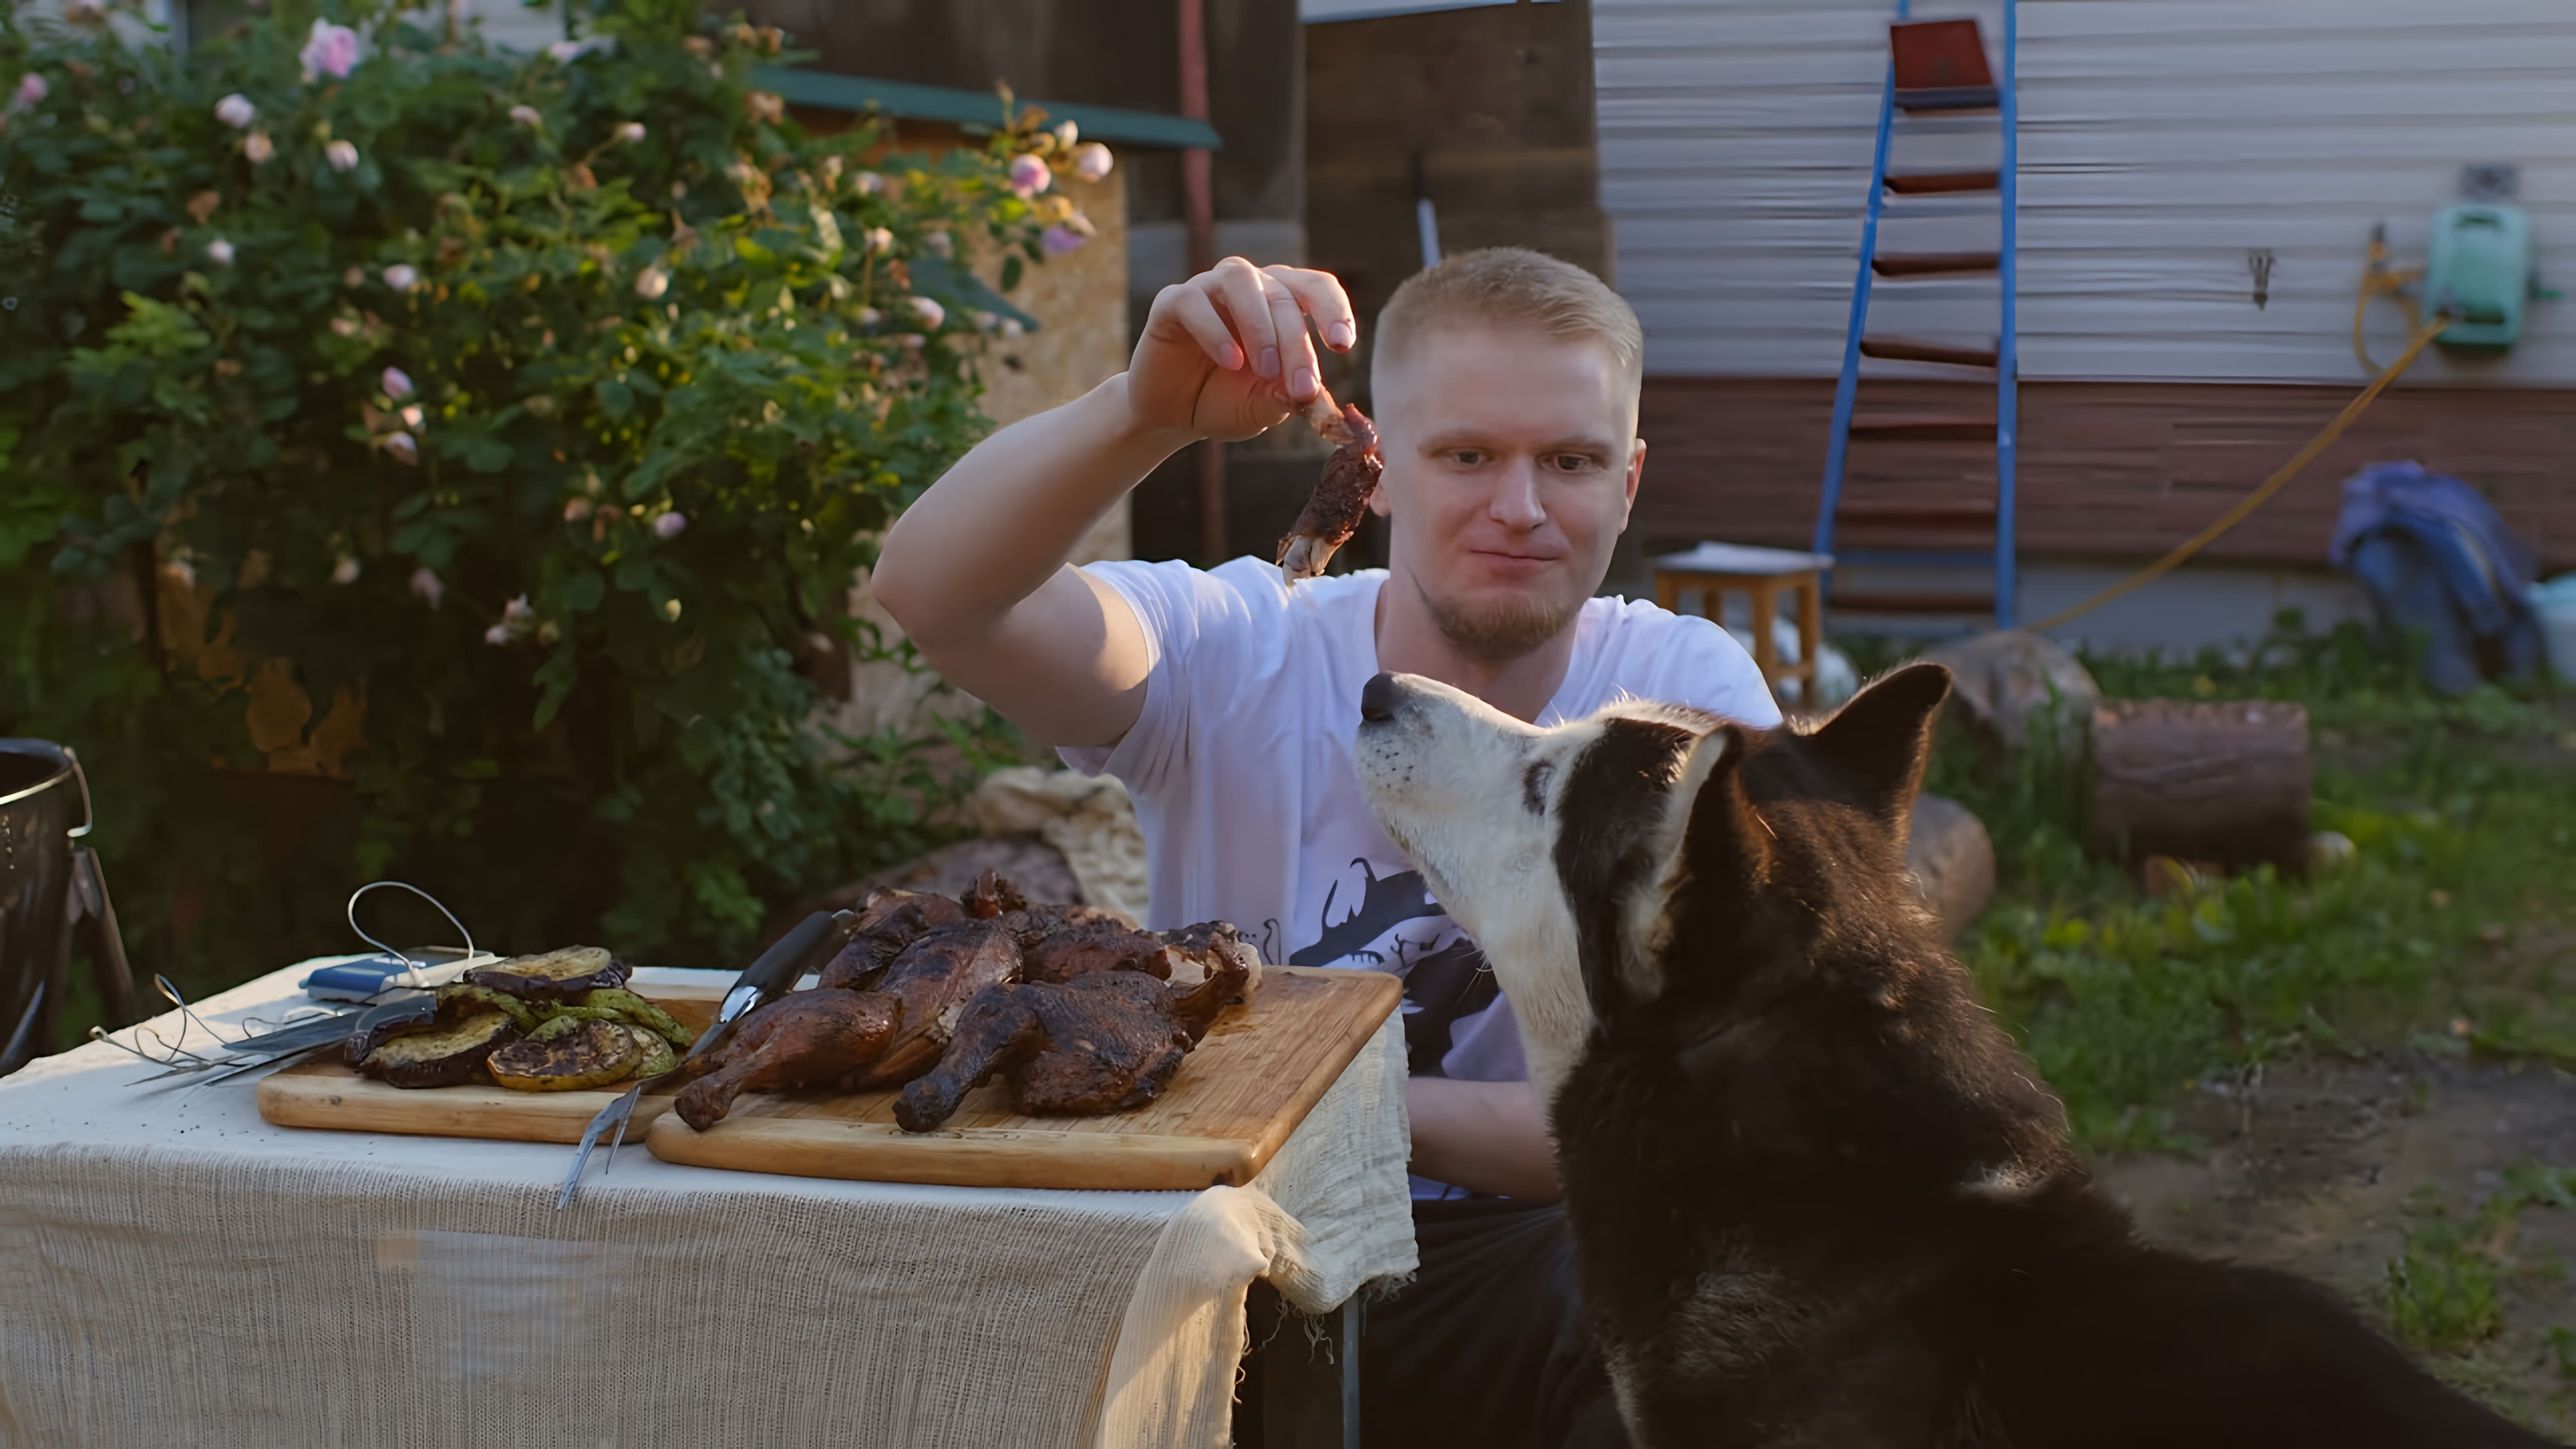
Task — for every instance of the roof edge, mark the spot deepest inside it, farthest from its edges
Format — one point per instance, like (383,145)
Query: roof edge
(909,101)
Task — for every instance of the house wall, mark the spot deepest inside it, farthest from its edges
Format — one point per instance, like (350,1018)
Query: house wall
(2109,470)
(2162,141)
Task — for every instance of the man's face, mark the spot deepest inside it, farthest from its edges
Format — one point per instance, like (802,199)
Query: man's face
(1511,462)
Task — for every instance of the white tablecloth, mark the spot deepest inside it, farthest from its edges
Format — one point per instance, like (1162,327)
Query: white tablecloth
(175,1271)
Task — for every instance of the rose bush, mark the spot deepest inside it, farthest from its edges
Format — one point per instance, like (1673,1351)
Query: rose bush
(520,422)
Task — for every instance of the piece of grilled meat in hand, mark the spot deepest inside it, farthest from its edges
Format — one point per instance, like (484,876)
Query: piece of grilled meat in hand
(803,1038)
(1098,1043)
(1341,497)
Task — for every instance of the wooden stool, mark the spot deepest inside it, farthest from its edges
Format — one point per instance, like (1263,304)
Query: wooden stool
(1761,573)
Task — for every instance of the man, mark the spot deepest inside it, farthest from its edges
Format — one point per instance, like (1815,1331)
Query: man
(1505,391)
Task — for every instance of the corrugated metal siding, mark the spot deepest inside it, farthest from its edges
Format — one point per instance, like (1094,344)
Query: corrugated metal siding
(2162,141)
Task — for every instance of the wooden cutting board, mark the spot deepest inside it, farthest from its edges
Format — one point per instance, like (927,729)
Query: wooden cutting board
(1261,1069)
(1237,1097)
(325,1091)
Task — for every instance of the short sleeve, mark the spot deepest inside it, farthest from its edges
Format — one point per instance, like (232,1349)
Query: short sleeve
(1699,664)
(1204,630)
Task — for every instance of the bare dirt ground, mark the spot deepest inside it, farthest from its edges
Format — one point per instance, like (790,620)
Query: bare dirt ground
(2327,1168)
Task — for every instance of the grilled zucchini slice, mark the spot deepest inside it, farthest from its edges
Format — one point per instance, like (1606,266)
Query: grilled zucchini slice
(643,1013)
(440,1056)
(593,1055)
(555,976)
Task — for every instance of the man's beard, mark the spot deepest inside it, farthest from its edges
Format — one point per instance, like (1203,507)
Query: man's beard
(1502,632)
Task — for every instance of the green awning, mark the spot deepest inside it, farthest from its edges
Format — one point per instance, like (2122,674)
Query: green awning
(906,101)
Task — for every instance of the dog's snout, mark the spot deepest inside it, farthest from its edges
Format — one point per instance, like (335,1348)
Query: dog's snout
(1377,699)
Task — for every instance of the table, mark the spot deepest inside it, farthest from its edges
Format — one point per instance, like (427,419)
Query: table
(1762,574)
(174,1270)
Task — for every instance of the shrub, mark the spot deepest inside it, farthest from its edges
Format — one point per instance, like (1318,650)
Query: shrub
(499,434)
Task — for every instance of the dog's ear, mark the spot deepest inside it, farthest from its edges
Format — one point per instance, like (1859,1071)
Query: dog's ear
(1711,846)
(1876,745)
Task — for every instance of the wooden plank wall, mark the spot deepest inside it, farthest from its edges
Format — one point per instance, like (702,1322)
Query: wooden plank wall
(2162,141)
(1492,106)
(2108,469)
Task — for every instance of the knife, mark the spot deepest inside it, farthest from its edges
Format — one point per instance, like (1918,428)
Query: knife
(809,947)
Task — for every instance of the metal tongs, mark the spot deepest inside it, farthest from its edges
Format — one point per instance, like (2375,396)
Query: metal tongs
(809,947)
(305,1029)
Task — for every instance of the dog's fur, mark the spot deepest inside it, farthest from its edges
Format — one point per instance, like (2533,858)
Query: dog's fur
(1818,1197)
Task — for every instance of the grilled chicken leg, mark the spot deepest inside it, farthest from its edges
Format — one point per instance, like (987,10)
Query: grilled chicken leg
(1101,1042)
(801,1038)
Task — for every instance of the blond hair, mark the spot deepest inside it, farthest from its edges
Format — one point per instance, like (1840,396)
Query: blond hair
(1515,284)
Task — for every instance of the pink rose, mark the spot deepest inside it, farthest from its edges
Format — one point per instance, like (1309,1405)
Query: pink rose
(1029,175)
(236,111)
(258,147)
(343,156)
(527,116)
(428,585)
(397,383)
(576,510)
(652,282)
(1092,161)
(330,50)
(670,525)
(402,276)
(632,132)
(346,570)
(1060,239)
(32,91)
(496,635)
(220,252)
(930,312)
(403,449)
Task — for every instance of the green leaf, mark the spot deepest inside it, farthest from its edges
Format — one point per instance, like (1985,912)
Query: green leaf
(615,398)
(1011,276)
(582,592)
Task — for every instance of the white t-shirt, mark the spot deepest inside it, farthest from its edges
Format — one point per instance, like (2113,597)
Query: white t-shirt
(1240,765)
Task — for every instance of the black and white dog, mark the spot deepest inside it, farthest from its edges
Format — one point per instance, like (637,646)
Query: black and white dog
(1817,1195)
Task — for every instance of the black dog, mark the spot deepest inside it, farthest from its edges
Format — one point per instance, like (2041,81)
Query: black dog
(1817,1195)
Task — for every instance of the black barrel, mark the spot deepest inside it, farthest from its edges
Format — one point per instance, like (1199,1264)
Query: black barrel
(42,805)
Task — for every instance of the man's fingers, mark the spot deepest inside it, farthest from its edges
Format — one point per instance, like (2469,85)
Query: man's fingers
(1197,315)
(1239,284)
(1298,372)
(1322,297)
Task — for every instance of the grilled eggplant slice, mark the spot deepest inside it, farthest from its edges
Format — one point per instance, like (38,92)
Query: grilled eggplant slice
(440,1056)
(594,1055)
(555,976)
(381,1023)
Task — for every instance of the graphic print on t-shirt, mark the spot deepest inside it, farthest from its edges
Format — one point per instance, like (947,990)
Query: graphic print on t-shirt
(1390,923)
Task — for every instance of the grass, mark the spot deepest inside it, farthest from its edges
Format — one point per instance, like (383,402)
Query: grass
(2459,1272)
(2449,927)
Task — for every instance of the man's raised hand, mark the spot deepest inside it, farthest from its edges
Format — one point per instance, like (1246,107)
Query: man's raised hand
(1227,354)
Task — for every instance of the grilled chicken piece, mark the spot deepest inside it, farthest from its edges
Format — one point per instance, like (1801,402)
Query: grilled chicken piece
(934,978)
(1213,946)
(1103,943)
(1341,497)
(1097,1043)
(800,1039)
(991,895)
(889,922)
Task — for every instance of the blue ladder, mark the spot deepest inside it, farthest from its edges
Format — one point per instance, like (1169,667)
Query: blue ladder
(1935,68)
